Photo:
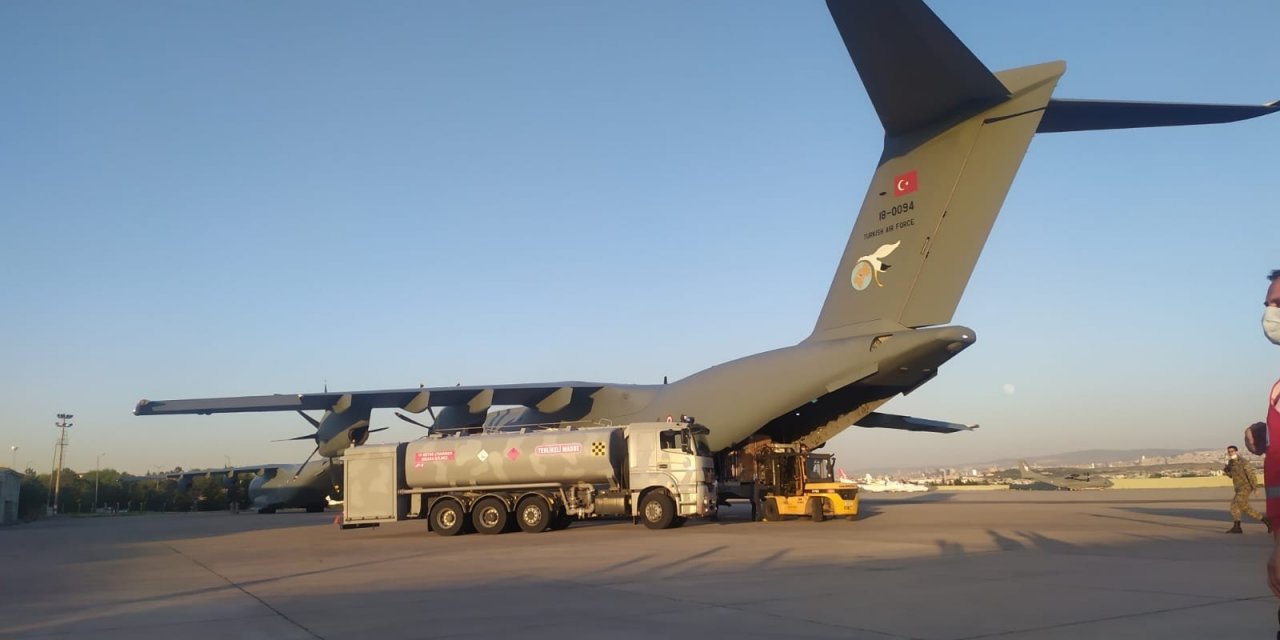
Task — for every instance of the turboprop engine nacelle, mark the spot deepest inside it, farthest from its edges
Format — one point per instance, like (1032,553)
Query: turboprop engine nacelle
(337,431)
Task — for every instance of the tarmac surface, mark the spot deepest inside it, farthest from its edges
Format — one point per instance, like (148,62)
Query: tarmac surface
(943,565)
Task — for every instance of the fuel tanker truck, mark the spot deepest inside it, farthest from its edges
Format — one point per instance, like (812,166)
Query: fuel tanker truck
(533,479)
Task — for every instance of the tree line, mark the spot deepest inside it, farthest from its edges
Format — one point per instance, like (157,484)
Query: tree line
(119,492)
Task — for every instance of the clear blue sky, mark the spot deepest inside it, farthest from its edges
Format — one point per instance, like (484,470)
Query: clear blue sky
(209,199)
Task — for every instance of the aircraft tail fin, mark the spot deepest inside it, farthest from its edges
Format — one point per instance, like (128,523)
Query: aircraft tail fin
(929,208)
(913,86)
(955,135)
(840,475)
(1025,470)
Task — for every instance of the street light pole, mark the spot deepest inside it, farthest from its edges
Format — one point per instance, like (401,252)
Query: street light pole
(52,466)
(63,424)
(97,471)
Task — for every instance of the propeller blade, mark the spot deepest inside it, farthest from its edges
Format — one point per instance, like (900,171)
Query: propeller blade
(304,462)
(315,423)
(306,437)
(412,421)
(378,429)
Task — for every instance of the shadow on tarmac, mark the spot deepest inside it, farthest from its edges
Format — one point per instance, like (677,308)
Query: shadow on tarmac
(710,581)
(1216,515)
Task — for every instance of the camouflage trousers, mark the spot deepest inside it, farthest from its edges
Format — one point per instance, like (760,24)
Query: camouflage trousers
(1240,504)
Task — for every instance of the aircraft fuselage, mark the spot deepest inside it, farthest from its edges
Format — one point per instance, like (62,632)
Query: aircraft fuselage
(795,388)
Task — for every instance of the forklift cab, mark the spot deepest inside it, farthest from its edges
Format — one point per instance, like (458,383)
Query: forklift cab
(819,467)
(790,472)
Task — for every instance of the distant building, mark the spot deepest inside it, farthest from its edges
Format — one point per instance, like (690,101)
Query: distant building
(10,487)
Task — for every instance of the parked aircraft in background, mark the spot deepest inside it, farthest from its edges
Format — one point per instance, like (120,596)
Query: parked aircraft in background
(955,135)
(1069,482)
(311,486)
(883,485)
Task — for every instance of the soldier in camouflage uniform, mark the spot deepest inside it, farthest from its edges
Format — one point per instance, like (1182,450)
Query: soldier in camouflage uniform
(1245,482)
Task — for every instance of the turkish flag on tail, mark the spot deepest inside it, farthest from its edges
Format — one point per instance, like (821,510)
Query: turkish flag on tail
(905,183)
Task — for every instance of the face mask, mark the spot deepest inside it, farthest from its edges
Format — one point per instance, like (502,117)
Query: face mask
(1271,324)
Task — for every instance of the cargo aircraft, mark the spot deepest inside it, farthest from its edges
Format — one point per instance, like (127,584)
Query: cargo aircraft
(311,486)
(1069,482)
(954,136)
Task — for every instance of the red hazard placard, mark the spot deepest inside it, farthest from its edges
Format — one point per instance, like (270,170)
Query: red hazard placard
(513,453)
(905,183)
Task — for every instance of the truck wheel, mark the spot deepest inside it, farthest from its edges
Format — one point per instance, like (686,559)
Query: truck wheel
(489,516)
(657,510)
(771,513)
(447,517)
(533,515)
(815,510)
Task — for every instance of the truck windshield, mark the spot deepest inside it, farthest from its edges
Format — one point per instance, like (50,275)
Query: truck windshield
(703,448)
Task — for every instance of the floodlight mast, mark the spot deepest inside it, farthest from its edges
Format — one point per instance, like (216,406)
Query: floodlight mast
(63,423)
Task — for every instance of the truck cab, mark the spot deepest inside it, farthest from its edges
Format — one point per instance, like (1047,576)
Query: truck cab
(670,457)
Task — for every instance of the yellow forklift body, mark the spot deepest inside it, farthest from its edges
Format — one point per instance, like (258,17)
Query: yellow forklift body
(833,504)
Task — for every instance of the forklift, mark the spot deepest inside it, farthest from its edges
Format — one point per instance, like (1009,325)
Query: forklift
(794,482)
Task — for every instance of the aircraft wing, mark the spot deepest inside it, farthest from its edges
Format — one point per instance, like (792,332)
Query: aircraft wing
(220,471)
(546,397)
(879,420)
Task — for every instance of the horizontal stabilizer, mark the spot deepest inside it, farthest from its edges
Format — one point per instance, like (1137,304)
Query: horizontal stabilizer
(1094,115)
(916,71)
(879,420)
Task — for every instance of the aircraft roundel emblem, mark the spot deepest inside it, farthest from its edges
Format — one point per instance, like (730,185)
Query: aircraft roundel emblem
(862,275)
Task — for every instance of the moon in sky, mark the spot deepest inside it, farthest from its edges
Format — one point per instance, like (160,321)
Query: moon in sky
(1008,389)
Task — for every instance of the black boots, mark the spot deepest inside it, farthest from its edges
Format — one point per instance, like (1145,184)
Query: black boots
(1235,526)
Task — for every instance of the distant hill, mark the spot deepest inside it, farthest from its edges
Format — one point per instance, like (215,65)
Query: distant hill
(1090,456)
(1068,459)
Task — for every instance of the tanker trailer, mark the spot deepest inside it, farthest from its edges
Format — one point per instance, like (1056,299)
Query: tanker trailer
(533,479)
